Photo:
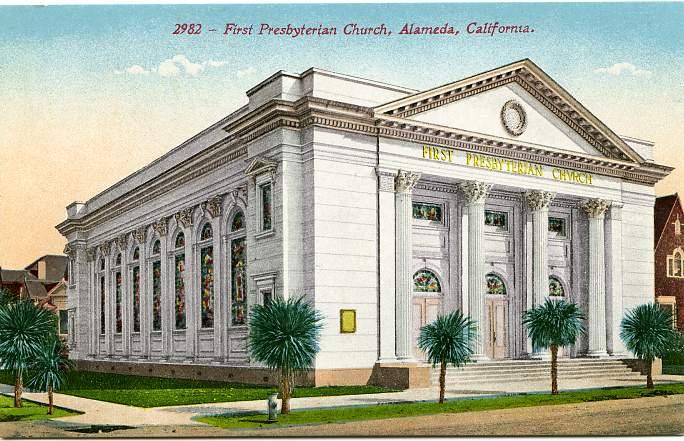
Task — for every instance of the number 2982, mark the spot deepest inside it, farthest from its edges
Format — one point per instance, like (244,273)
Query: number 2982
(188,28)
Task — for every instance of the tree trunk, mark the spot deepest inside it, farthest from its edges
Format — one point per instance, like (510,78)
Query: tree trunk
(554,370)
(649,375)
(285,392)
(50,401)
(442,381)
(17,390)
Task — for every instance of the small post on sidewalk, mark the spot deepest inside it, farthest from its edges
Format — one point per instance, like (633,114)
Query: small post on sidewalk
(273,406)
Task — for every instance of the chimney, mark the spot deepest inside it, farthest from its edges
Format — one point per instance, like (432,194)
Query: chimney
(42,270)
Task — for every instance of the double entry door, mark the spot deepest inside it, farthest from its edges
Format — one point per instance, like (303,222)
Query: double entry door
(496,328)
(425,310)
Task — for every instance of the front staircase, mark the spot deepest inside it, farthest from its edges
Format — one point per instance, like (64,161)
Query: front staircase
(484,373)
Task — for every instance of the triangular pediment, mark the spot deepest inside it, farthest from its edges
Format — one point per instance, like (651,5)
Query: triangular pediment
(519,102)
(259,166)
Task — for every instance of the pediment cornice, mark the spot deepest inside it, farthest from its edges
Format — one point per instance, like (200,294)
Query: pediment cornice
(536,82)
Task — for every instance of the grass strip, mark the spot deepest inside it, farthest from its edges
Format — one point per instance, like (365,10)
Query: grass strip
(342,414)
(29,411)
(149,392)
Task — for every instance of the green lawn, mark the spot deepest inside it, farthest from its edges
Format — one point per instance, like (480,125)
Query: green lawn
(29,411)
(673,369)
(154,392)
(325,416)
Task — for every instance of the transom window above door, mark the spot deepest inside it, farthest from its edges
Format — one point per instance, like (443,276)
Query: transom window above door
(495,284)
(426,281)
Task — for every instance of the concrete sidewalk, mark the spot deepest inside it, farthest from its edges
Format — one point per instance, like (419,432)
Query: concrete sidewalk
(104,413)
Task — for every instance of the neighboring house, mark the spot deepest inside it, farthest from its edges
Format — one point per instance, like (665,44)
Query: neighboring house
(44,281)
(669,256)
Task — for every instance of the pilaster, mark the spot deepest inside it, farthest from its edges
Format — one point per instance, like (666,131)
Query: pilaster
(403,185)
(614,274)
(475,194)
(386,267)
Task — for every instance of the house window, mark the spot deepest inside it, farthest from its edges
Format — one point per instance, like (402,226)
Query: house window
(156,248)
(556,287)
(238,222)
(265,200)
(63,322)
(678,227)
(675,264)
(179,285)
(428,212)
(267,297)
(426,281)
(495,285)
(497,220)
(206,277)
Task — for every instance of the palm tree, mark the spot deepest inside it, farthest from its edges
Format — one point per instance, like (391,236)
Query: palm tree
(647,332)
(47,369)
(284,336)
(553,325)
(448,340)
(23,327)
(5,298)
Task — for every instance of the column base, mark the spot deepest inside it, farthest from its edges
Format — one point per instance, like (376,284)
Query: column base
(597,354)
(479,357)
(540,356)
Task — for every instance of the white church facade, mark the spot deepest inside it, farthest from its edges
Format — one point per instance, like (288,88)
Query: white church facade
(383,206)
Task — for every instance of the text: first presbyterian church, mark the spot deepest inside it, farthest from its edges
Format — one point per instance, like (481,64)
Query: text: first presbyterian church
(383,206)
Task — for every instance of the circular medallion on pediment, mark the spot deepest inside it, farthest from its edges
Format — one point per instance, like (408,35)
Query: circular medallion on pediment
(514,118)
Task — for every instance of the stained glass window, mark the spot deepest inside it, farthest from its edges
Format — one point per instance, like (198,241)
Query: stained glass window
(156,248)
(430,212)
(136,254)
(206,232)
(156,296)
(557,226)
(498,219)
(555,287)
(117,286)
(118,259)
(494,284)
(180,291)
(136,298)
(180,240)
(207,286)
(102,305)
(426,281)
(238,289)
(238,222)
(266,207)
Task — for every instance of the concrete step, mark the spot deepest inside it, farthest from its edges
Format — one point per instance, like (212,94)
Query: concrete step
(532,369)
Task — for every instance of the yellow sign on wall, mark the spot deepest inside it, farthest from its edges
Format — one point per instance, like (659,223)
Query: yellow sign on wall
(347,321)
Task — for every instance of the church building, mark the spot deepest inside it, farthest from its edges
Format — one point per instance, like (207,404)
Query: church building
(383,206)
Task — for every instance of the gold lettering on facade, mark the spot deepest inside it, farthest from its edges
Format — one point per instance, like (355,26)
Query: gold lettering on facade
(508,165)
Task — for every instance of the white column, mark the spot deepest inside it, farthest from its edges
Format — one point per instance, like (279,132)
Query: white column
(538,204)
(595,209)
(614,304)
(475,194)
(404,183)
(109,296)
(126,298)
(387,268)
(215,209)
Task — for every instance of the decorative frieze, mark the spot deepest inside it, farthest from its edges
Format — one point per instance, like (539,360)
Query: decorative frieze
(105,248)
(184,217)
(214,206)
(405,181)
(538,200)
(139,234)
(475,192)
(595,208)
(161,227)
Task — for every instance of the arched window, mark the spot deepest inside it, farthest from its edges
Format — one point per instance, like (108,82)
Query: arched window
(156,248)
(180,241)
(238,222)
(495,285)
(136,254)
(556,287)
(101,286)
(156,286)
(675,264)
(426,281)
(102,264)
(206,232)
(118,259)
(118,311)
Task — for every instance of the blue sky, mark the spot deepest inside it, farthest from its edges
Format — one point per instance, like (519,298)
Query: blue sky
(89,94)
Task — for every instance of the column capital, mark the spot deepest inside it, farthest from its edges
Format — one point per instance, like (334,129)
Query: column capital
(405,181)
(140,234)
(214,206)
(385,180)
(475,192)
(184,217)
(538,199)
(595,208)
(161,227)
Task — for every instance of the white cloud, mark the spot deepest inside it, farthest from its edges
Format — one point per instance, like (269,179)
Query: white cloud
(626,69)
(178,65)
(245,72)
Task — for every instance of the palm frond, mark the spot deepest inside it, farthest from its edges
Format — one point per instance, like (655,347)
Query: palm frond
(449,339)
(647,331)
(285,334)
(47,371)
(556,322)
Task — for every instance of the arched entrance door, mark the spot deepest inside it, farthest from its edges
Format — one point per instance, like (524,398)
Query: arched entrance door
(427,304)
(496,318)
